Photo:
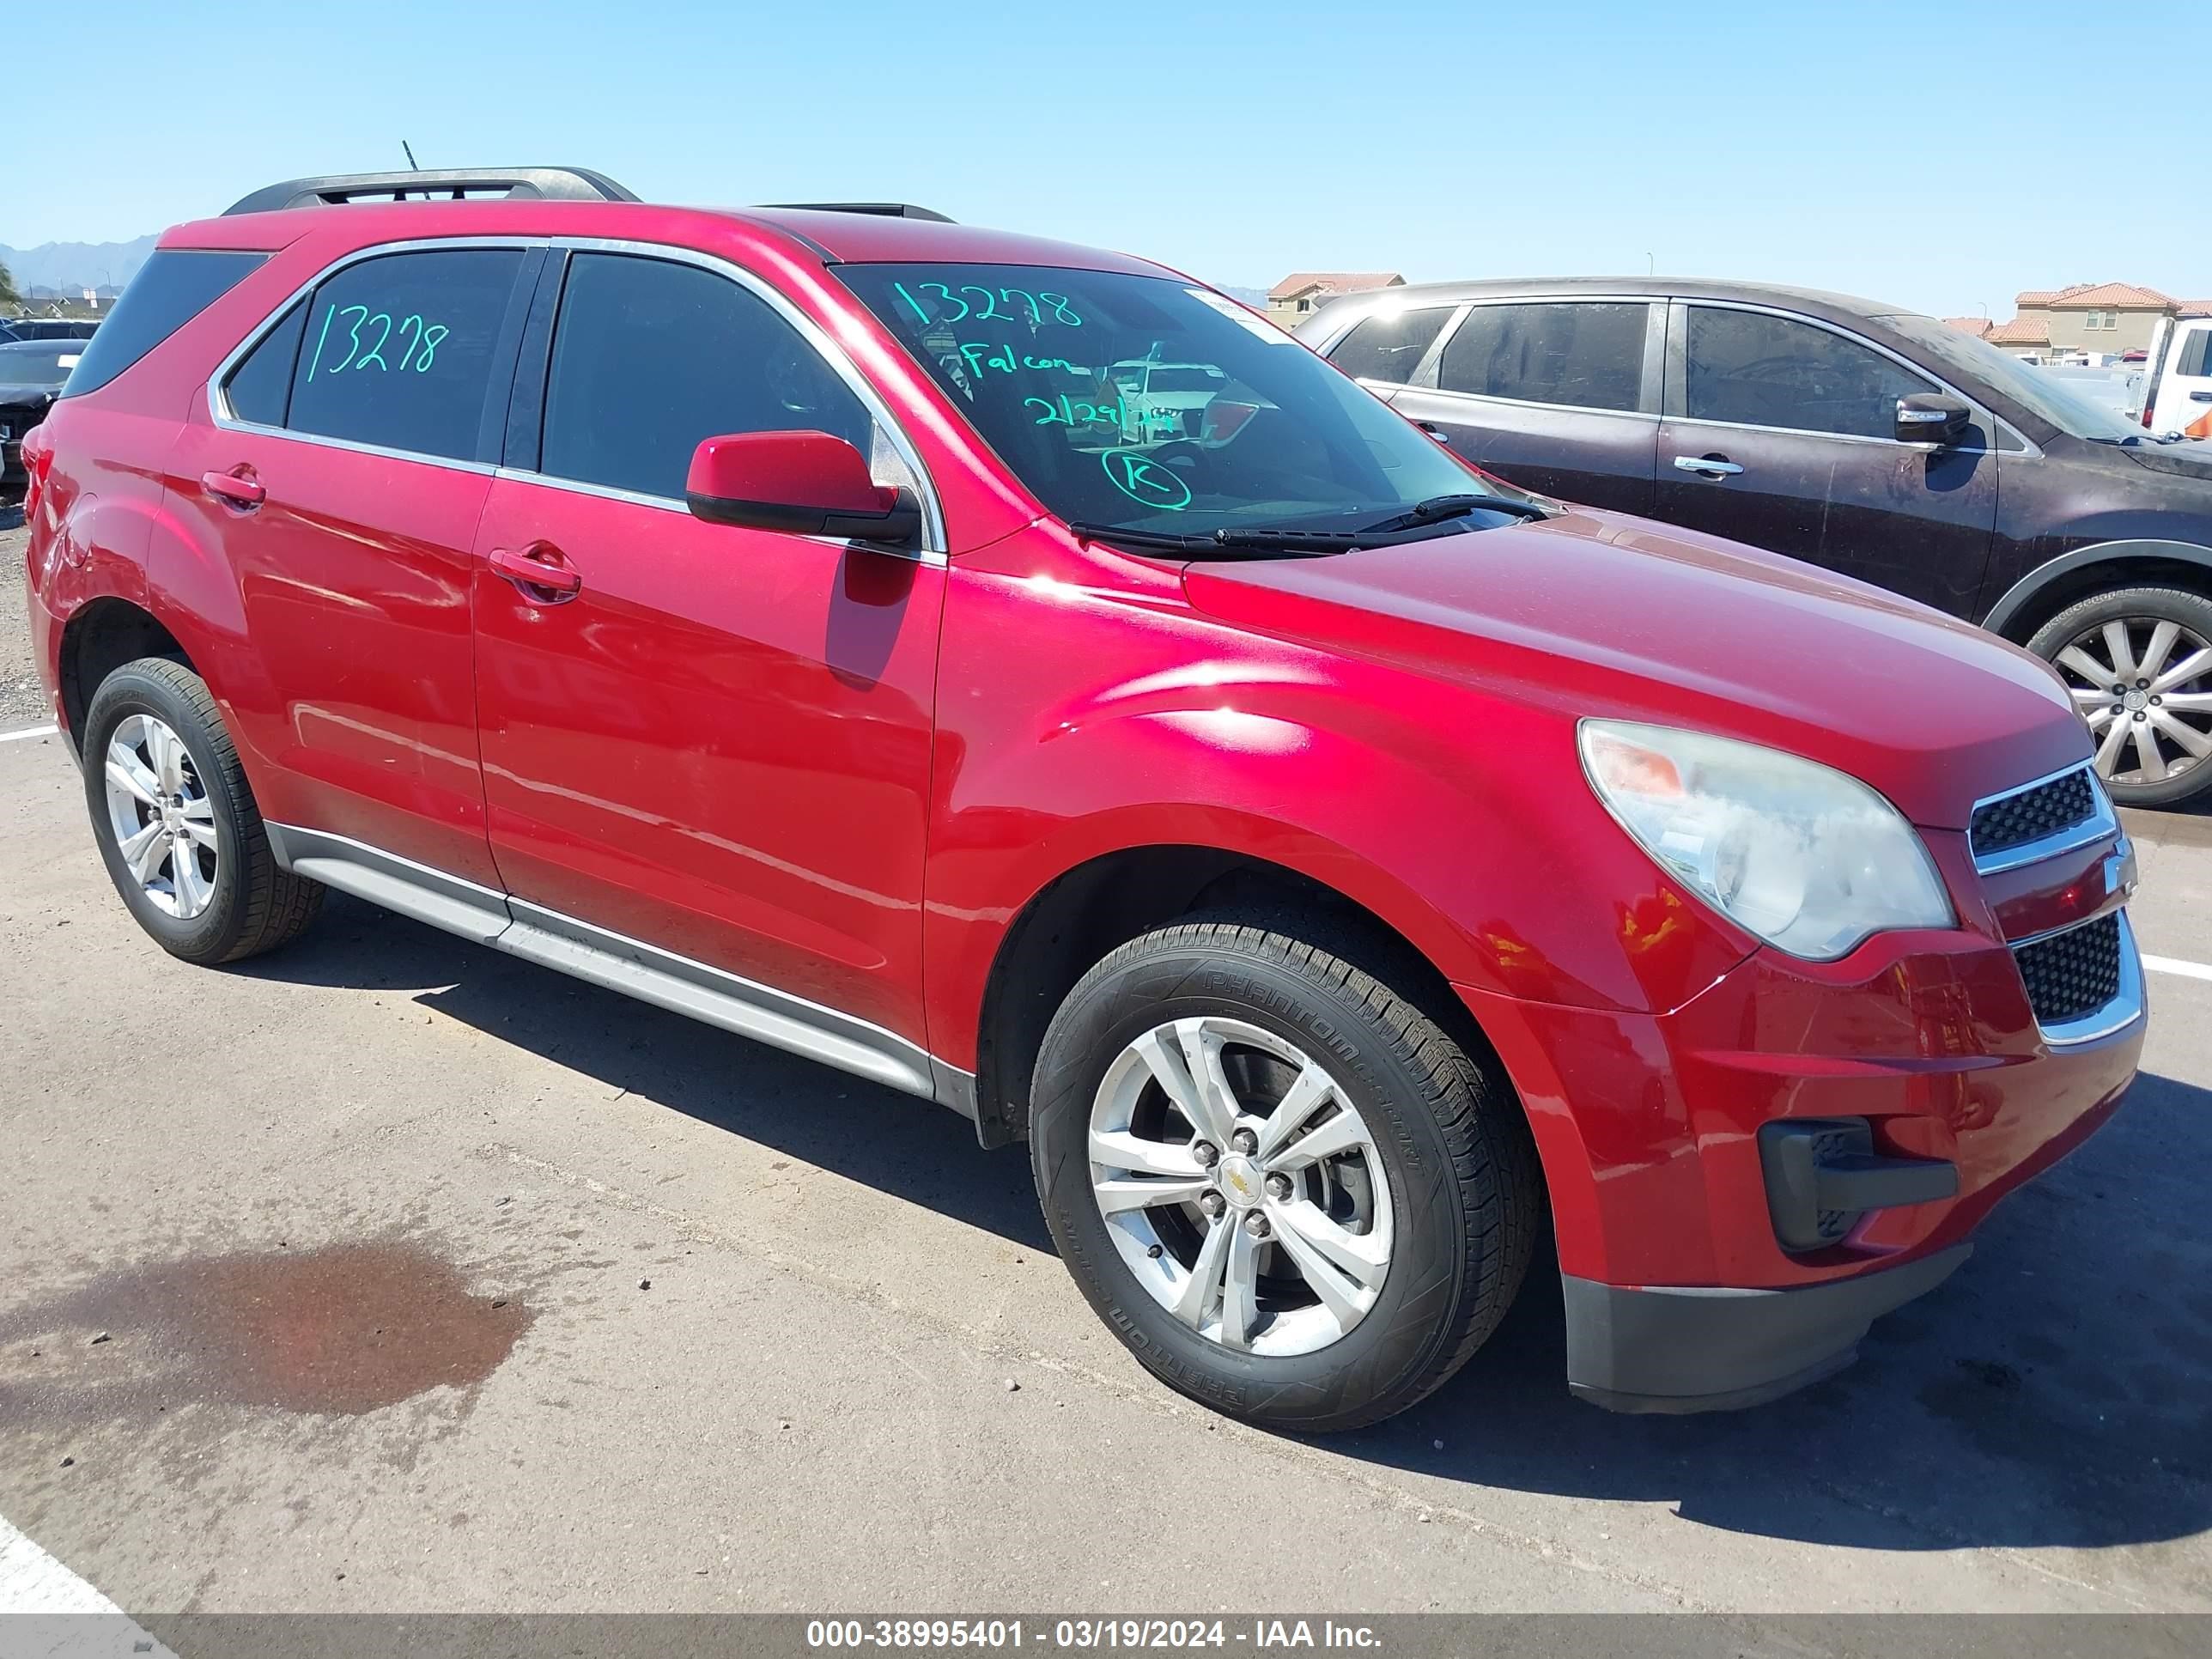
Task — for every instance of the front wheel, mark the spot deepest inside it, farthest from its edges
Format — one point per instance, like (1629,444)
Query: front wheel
(1284,1187)
(2138,661)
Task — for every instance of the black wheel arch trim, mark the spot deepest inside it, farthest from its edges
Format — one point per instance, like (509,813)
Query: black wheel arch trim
(2023,593)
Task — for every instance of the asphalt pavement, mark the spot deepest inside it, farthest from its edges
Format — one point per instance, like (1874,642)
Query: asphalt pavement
(391,1273)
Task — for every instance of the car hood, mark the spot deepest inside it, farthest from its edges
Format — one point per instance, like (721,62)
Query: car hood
(2190,459)
(1595,613)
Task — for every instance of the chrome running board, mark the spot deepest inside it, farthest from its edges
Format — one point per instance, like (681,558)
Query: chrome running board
(646,972)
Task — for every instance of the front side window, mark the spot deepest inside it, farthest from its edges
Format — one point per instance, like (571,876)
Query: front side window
(650,356)
(1578,353)
(1145,403)
(1390,344)
(1748,368)
(399,351)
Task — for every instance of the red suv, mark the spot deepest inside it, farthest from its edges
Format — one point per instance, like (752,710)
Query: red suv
(1343,869)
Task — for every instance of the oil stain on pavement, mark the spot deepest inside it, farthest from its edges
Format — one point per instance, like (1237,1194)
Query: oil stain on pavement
(341,1330)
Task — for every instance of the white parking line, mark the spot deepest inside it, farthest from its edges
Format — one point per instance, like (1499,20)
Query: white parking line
(32,1582)
(2176,965)
(30,731)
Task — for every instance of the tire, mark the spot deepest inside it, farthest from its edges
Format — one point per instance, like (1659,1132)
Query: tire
(2139,612)
(249,905)
(1446,1136)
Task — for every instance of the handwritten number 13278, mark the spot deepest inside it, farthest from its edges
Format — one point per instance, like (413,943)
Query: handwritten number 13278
(1062,309)
(373,331)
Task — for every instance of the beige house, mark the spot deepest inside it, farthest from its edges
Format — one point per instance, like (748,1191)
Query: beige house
(2099,318)
(1303,293)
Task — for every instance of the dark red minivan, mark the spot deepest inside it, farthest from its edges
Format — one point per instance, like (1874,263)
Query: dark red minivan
(1345,870)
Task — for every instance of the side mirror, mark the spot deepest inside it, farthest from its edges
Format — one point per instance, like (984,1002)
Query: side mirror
(1932,420)
(806,483)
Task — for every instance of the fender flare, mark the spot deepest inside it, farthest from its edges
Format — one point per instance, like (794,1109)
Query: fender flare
(2023,593)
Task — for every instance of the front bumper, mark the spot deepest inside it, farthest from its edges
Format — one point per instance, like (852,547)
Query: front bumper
(1671,1209)
(1720,1348)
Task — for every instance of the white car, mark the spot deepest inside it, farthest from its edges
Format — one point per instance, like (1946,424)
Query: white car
(2180,396)
(1161,401)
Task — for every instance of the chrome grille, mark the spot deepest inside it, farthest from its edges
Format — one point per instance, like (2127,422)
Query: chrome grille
(2074,974)
(2033,814)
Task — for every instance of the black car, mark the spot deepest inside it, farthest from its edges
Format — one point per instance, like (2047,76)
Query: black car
(31,376)
(54,328)
(1852,435)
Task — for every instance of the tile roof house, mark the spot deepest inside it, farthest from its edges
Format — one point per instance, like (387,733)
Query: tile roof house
(1976,326)
(2092,318)
(1302,293)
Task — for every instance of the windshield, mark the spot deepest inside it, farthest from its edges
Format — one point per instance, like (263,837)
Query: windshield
(1146,403)
(2035,389)
(44,363)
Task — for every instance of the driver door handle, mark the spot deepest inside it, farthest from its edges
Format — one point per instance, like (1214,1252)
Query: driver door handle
(1710,465)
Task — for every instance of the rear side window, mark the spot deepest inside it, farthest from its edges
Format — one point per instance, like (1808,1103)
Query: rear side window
(650,356)
(399,351)
(172,288)
(259,388)
(2196,357)
(1581,355)
(1390,345)
(1748,368)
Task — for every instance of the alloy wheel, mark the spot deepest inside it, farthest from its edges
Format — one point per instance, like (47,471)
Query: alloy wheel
(163,821)
(1241,1186)
(2144,684)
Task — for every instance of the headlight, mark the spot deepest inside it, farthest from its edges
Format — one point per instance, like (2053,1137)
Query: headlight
(1811,860)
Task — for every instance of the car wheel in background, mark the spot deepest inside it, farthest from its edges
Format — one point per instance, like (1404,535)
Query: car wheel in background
(2139,663)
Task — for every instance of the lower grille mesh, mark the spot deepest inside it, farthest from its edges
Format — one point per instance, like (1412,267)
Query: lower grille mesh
(2073,973)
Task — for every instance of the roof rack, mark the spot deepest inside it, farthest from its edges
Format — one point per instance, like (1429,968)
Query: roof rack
(436,185)
(881,209)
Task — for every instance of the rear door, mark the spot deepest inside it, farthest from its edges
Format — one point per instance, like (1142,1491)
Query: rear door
(2184,399)
(1559,395)
(338,480)
(1780,431)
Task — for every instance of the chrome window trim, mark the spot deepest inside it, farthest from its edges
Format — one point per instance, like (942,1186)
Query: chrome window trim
(218,395)
(1654,340)
(1997,423)
(2102,821)
(2125,1008)
(931,552)
(681,984)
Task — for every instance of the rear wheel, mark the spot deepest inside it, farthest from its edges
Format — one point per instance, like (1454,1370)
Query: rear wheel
(1281,1183)
(177,824)
(2138,661)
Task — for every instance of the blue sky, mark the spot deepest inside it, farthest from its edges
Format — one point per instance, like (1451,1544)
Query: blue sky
(1943,156)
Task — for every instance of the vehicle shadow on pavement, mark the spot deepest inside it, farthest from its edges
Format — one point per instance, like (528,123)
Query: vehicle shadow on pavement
(2054,1392)
(910,1148)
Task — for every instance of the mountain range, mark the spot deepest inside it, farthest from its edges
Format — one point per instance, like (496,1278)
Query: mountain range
(72,267)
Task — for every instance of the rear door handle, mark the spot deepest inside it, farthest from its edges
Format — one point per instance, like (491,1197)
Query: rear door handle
(539,573)
(238,489)
(2200,397)
(1711,466)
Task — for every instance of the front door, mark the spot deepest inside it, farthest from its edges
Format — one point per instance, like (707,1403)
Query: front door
(1780,432)
(716,741)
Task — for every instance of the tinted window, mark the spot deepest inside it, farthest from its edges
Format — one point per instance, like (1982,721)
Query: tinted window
(1752,369)
(2196,357)
(650,356)
(172,288)
(259,387)
(399,350)
(1584,355)
(1390,345)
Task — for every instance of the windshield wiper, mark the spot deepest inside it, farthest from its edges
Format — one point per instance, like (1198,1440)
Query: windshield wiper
(1299,543)
(1437,508)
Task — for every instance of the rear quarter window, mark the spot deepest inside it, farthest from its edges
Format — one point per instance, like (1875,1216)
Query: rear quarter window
(1390,345)
(171,288)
